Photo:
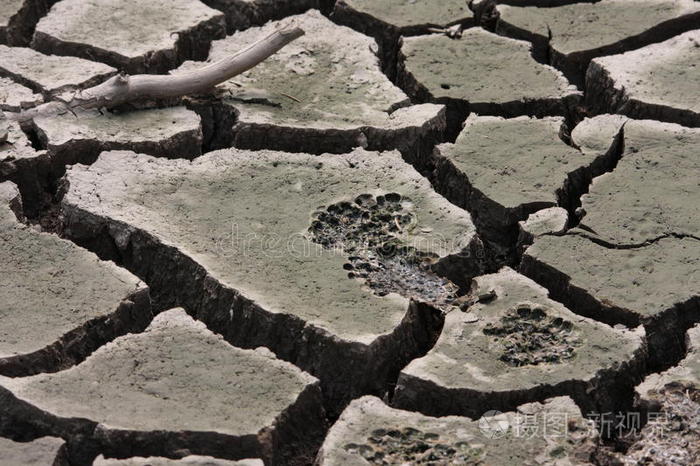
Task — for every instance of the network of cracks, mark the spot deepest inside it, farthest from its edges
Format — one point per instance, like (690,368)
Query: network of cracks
(360,251)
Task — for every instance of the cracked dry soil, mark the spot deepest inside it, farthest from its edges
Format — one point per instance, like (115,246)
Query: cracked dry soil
(427,233)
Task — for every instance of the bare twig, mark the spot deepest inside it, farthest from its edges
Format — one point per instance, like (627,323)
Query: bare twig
(121,89)
(291,97)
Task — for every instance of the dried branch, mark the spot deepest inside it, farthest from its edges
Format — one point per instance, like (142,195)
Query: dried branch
(121,89)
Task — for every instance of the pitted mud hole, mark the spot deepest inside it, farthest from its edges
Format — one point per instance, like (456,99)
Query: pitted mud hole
(529,336)
(413,446)
(371,432)
(369,231)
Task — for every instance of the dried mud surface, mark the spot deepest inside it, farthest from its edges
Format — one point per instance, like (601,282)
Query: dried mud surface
(425,232)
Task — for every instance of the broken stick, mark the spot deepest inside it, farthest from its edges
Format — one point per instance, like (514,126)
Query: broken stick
(121,88)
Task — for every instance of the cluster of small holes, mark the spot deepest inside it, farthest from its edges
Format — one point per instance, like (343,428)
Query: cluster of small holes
(369,231)
(530,337)
(412,446)
(366,223)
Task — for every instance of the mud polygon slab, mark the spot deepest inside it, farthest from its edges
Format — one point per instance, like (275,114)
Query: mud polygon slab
(236,216)
(49,74)
(59,301)
(519,346)
(324,92)
(15,97)
(490,72)
(180,384)
(659,81)
(620,285)
(192,460)
(369,432)
(39,452)
(540,3)
(241,14)
(165,132)
(131,35)
(653,190)
(582,31)
(502,170)
(406,16)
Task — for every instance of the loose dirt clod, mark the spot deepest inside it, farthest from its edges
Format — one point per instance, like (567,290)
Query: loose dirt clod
(15,97)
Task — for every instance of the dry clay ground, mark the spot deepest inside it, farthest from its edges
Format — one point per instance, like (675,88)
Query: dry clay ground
(423,233)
